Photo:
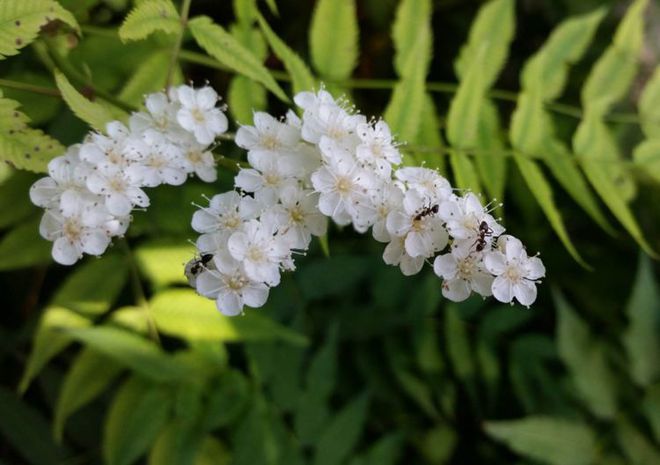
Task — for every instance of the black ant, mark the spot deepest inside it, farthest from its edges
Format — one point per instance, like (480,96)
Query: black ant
(484,232)
(195,266)
(426,211)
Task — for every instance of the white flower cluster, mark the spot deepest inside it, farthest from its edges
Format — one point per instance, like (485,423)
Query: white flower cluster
(335,163)
(92,189)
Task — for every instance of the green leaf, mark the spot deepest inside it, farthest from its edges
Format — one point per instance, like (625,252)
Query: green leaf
(21,22)
(649,105)
(487,48)
(641,338)
(404,111)
(244,97)
(255,428)
(586,361)
(92,113)
(458,345)
(596,148)
(651,406)
(49,340)
(301,76)
(647,157)
(138,412)
(546,72)
(412,37)
(148,77)
(438,443)
(88,376)
(162,261)
(227,399)
(24,429)
(551,440)
(212,452)
(386,451)
(542,191)
(342,433)
(429,136)
(132,351)
(22,247)
(15,206)
(636,447)
(491,160)
(228,51)
(333,38)
(93,287)
(21,146)
(177,444)
(185,314)
(148,17)
(614,71)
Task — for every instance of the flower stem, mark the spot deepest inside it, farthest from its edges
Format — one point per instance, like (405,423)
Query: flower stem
(49,91)
(185,10)
(138,291)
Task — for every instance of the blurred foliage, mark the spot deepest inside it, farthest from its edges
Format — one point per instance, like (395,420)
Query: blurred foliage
(116,361)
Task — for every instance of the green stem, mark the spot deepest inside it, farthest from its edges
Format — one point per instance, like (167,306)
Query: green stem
(49,91)
(138,291)
(230,163)
(185,10)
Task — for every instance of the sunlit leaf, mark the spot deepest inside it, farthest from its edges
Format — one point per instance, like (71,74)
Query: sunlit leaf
(150,16)
(333,38)
(555,441)
(23,247)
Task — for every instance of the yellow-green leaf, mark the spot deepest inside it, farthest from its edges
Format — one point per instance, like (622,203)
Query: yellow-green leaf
(647,157)
(92,113)
(148,77)
(228,51)
(301,76)
(185,314)
(551,440)
(244,97)
(649,106)
(162,262)
(138,412)
(542,191)
(21,21)
(49,340)
(333,38)
(24,147)
(412,37)
(88,376)
(150,16)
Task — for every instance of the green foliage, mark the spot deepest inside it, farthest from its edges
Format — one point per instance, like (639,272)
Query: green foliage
(333,38)
(150,16)
(20,22)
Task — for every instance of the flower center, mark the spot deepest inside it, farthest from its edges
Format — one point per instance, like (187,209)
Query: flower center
(270,142)
(271,179)
(197,115)
(236,283)
(465,268)
(344,185)
(72,229)
(297,215)
(255,254)
(115,157)
(232,221)
(117,184)
(195,156)
(513,273)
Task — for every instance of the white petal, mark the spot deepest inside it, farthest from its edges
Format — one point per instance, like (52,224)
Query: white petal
(229,303)
(502,289)
(445,266)
(44,192)
(255,296)
(66,252)
(411,265)
(209,284)
(249,180)
(118,204)
(238,245)
(495,262)
(95,243)
(418,244)
(535,268)
(525,292)
(456,290)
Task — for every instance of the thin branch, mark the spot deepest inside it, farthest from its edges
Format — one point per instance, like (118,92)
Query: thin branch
(49,91)
(138,291)
(185,10)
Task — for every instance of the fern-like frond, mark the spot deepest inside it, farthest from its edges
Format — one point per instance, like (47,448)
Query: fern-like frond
(24,147)
(21,21)
(228,51)
(148,17)
(333,38)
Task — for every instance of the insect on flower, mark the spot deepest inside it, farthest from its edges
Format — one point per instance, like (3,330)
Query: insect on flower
(484,232)
(195,266)
(426,211)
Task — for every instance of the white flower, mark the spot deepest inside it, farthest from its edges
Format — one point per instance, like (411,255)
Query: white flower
(395,254)
(325,117)
(85,229)
(199,115)
(298,217)
(426,181)
(225,211)
(120,189)
(462,273)
(272,174)
(464,217)
(161,161)
(376,148)
(260,250)
(231,288)
(161,116)
(341,185)
(201,162)
(110,150)
(268,137)
(383,200)
(66,173)
(516,273)
(423,230)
